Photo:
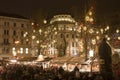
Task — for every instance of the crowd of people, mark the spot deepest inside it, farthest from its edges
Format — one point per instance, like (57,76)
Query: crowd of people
(35,72)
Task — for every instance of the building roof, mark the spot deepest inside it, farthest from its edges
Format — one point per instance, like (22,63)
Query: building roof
(63,18)
(12,15)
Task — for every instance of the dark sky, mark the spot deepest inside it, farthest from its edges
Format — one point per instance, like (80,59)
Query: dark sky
(40,9)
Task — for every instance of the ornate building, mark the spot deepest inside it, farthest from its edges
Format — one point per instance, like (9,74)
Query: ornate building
(12,29)
(64,37)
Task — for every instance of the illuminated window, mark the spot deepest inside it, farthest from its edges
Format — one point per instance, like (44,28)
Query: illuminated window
(26,50)
(21,50)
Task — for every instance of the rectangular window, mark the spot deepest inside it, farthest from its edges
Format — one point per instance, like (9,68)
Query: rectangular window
(73,36)
(7,50)
(22,41)
(22,25)
(73,45)
(14,33)
(4,32)
(13,41)
(7,32)
(76,44)
(14,24)
(22,33)
(4,41)
(21,50)
(7,23)
(67,36)
(26,50)
(4,23)
(7,41)
(61,35)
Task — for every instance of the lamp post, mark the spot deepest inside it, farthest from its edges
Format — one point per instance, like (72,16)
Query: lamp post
(91,55)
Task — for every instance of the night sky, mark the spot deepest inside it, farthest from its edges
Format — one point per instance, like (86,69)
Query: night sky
(45,9)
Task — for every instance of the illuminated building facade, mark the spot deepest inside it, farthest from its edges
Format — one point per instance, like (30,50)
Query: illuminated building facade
(12,29)
(63,38)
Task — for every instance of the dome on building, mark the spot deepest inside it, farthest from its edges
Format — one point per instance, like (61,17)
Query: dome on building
(65,18)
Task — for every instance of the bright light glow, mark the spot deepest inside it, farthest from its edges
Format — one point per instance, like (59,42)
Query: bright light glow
(75,53)
(55,28)
(93,41)
(26,50)
(67,18)
(24,35)
(14,61)
(40,31)
(34,31)
(108,38)
(87,18)
(101,30)
(55,33)
(17,42)
(21,50)
(45,21)
(90,13)
(33,37)
(54,41)
(117,31)
(70,29)
(117,50)
(97,37)
(107,27)
(91,19)
(85,28)
(119,38)
(13,48)
(32,23)
(91,53)
(97,32)
(91,31)
(37,41)
(14,53)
